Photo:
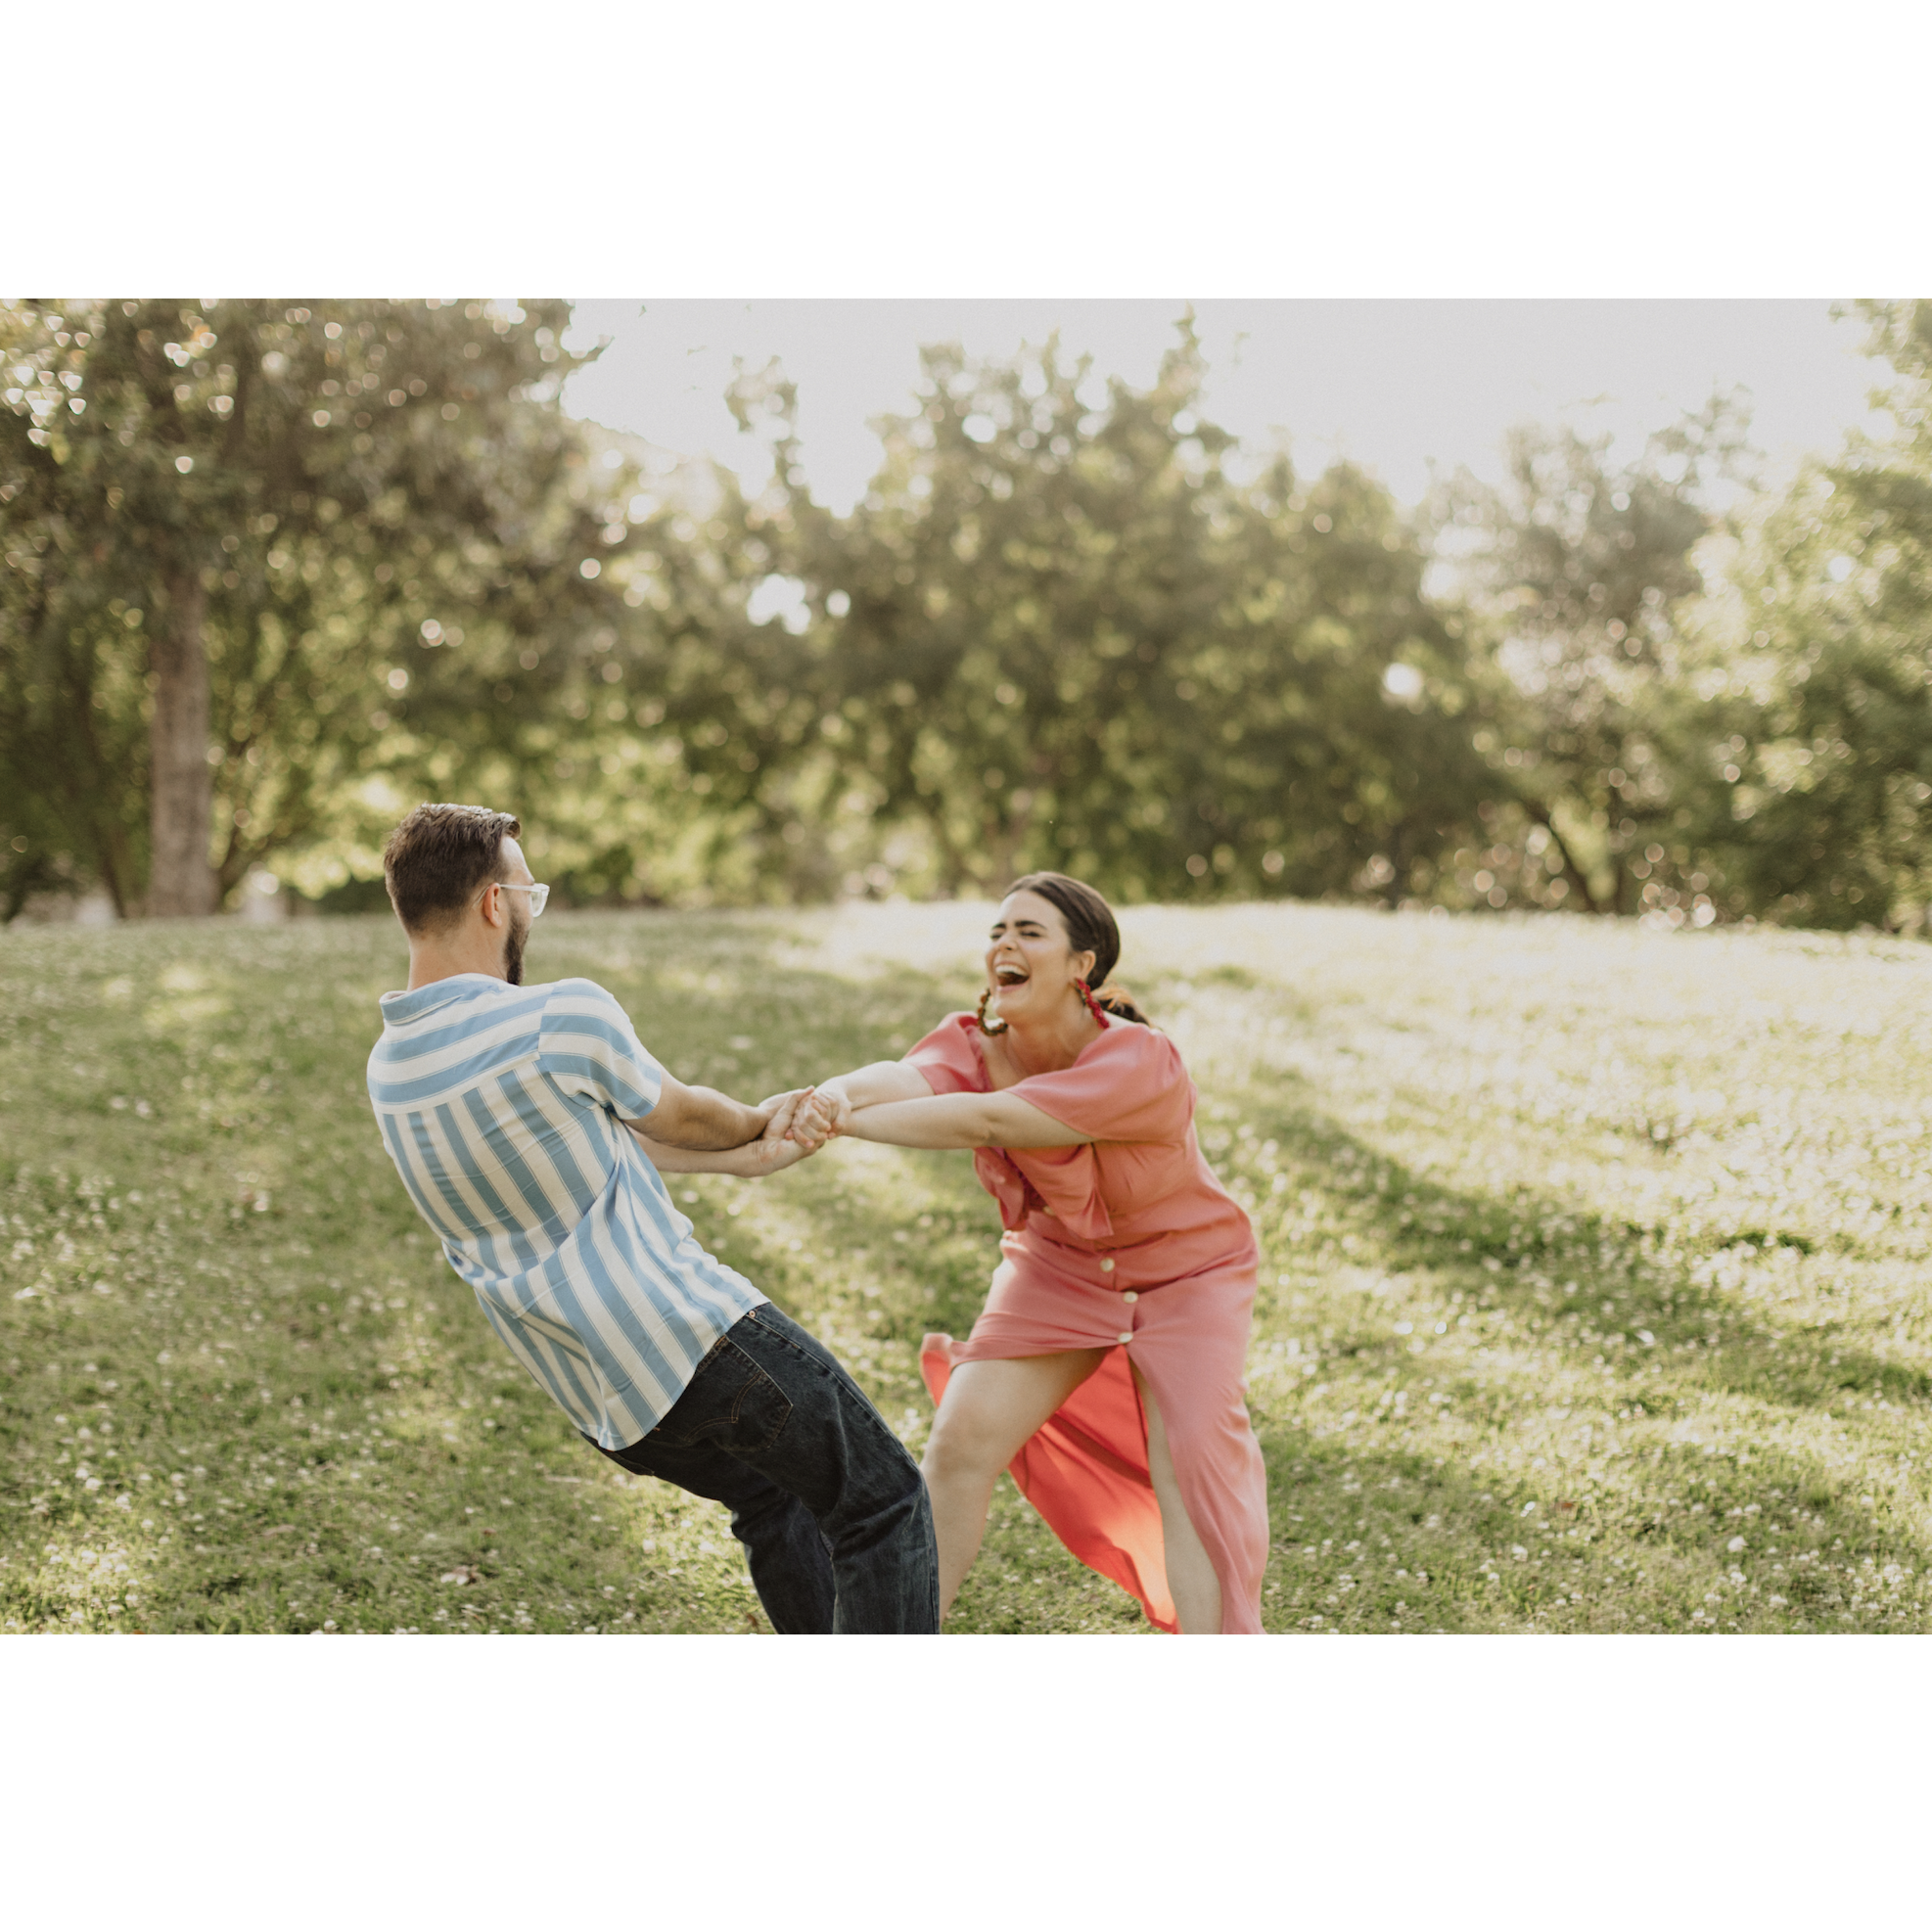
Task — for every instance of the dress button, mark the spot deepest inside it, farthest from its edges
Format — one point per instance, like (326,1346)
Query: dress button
(1107,1266)
(1130,1296)
(1129,1336)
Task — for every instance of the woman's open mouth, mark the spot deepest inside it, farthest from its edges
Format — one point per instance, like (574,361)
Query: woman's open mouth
(1010,976)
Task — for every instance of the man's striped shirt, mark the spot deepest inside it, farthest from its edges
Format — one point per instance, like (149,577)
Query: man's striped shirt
(502,1107)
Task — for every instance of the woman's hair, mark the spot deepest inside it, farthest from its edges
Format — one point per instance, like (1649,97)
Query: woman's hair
(1090,928)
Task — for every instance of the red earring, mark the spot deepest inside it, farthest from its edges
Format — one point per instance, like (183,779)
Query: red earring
(996,1026)
(1085,992)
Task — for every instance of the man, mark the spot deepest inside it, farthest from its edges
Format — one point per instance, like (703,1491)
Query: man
(529,1126)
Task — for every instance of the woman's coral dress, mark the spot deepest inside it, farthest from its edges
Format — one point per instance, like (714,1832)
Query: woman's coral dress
(1130,1245)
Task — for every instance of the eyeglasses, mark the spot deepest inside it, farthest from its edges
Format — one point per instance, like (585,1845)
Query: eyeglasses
(540,896)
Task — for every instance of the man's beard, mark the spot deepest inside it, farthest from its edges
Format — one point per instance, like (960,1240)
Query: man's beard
(513,953)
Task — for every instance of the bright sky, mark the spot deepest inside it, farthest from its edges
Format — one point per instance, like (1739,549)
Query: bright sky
(1390,383)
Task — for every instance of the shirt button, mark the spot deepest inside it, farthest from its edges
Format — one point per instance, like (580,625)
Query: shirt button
(1128,1336)
(1107,1266)
(1130,1296)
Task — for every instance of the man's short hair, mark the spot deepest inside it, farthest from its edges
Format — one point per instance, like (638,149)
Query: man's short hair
(440,858)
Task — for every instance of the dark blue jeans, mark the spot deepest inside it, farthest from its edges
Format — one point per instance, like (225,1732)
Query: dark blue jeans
(831,1509)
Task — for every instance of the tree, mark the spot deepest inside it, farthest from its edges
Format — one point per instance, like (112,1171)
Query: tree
(70,728)
(1822,804)
(1059,631)
(665,739)
(1576,573)
(237,527)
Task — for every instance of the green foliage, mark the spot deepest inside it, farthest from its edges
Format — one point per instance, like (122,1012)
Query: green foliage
(1609,1322)
(1826,812)
(1574,573)
(1069,626)
(335,484)
(1058,631)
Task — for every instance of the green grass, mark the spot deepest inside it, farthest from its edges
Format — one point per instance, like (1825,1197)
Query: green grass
(1595,1293)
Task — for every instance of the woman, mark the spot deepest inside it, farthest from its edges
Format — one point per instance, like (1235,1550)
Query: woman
(1106,1368)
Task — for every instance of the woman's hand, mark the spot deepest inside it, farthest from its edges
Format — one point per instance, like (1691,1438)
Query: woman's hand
(796,1117)
(831,1112)
(825,1114)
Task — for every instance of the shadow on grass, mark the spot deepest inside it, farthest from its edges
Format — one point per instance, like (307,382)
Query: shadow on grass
(255,1094)
(1670,1513)
(1500,1261)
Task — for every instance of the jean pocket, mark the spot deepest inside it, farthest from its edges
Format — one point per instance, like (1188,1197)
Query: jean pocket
(798,1341)
(731,1404)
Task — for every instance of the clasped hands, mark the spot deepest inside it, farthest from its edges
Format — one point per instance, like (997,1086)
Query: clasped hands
(797,1124)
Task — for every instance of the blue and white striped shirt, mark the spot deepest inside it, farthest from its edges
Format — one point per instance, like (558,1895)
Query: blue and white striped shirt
(502,1107)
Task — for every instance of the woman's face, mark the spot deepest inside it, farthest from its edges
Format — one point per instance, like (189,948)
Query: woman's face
(1031,965)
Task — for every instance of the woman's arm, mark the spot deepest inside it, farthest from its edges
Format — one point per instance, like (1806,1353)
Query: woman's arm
(881,1082)
(961,1119)
(831,1107)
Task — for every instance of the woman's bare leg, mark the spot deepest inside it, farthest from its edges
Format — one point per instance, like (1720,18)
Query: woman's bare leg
(990,1411)
(1191,1578)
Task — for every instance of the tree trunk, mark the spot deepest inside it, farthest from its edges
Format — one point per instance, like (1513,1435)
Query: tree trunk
(91,796)
(1572,870)
(181,881)
(1398,858)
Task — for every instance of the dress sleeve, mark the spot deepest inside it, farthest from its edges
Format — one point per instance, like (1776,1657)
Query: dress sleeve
(1128,1086)
(590,1049)
(948,1058)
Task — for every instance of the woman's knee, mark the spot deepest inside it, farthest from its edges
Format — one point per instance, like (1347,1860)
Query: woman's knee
(962,1446)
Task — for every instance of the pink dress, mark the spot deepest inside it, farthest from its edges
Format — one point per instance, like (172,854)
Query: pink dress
(1130,1245)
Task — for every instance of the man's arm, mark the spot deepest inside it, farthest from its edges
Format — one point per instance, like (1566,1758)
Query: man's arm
(773,1151)
(702,1120)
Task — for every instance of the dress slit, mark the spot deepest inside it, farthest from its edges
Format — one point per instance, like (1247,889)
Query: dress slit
(1086,1470)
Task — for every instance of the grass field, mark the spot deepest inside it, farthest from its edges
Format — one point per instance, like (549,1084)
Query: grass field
(1595,1291)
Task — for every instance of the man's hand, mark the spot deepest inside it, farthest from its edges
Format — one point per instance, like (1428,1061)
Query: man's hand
(777,1147)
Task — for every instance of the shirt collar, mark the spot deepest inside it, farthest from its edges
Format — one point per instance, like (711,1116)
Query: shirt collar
(400,1008)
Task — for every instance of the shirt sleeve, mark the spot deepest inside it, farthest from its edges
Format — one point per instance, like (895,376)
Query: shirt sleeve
(1128,1086)
(590,1049)
(948,1058)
